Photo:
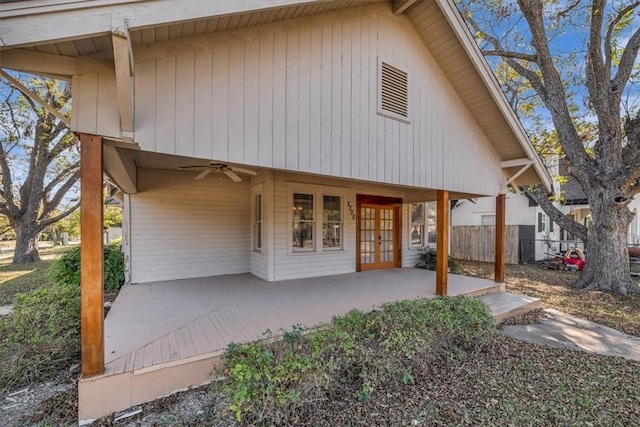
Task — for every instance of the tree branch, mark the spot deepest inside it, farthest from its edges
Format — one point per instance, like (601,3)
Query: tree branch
(47,222)
(568,9)
(540,195)
(555,99)
(512,55)
(609,33)
(68,141)
(57,198)
(61,176)
(7,183)
(627,61)
(509,57)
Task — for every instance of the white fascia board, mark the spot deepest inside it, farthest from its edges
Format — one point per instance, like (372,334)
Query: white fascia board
(47,21)
(38,62)
(475,55)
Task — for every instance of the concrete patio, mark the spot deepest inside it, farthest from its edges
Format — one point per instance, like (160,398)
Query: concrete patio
(164,336)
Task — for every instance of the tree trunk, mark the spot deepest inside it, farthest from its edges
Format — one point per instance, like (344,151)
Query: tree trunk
(607,258)
(55,237)
(26,244)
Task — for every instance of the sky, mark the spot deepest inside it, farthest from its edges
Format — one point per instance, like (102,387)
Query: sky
(568,42)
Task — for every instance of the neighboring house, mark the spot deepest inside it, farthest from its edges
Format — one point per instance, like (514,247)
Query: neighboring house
(549,238)
(539,233)
(316,123)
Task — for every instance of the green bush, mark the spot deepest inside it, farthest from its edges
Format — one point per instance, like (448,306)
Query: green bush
(66,269)
(358,354)
(428,261)
(41,336)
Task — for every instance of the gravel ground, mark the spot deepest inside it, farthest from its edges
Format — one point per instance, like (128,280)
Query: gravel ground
(17,407)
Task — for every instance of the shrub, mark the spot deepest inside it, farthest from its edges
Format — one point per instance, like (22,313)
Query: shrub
(359,353)
(428,261)
(66,269)
(41,336)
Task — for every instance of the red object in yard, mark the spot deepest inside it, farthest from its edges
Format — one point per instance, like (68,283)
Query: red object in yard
(574,261)
(574,256)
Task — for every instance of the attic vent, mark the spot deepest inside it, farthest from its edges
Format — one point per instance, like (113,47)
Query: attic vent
(394,92)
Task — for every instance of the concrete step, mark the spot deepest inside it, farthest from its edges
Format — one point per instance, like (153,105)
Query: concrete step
(504,305)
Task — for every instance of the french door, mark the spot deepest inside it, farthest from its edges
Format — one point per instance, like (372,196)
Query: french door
(378,236)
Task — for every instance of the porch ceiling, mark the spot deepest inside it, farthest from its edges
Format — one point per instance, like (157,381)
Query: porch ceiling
(151,160)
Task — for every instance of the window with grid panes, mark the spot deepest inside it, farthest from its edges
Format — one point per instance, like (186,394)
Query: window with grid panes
(303,222)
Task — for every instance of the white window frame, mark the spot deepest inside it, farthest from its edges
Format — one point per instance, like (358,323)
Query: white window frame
(420,244)
(427,227)
(257,190)
(341,223)
(318,192)
(487,215)
(314,246)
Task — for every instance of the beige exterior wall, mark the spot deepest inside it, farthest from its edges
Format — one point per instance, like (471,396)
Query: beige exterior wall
(302,96)
(182,228)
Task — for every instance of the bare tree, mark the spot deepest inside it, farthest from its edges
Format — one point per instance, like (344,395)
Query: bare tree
(39,161)
(575,80)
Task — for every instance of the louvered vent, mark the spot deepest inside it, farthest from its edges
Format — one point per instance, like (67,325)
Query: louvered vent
(394,91)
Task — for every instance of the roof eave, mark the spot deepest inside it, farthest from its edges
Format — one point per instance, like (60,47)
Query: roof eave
(486,74)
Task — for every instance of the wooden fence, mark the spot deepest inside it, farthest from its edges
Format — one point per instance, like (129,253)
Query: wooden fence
(477,243)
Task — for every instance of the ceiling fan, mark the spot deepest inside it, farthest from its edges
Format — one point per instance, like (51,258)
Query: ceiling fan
(221,168)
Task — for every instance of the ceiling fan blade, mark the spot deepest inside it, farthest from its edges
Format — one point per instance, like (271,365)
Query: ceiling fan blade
(204,173)
(231,174)
(192,166)
(245,171)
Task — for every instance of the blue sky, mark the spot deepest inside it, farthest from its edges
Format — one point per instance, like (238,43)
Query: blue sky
(568,42)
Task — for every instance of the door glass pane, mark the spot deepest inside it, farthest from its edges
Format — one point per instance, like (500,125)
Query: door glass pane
(367,235)
(386,235)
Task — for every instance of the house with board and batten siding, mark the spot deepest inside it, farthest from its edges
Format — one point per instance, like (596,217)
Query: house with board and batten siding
(286,139)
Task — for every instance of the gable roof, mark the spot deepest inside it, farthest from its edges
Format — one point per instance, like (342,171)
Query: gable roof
(82,39)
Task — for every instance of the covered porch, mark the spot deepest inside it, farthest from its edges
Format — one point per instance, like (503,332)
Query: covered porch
(165,336)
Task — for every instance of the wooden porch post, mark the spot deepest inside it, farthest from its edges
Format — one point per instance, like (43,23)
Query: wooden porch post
(500,238)
(91,258)
(442,242)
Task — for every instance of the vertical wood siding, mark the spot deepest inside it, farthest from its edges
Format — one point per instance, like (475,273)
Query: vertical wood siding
(303,97)
(288,265)
(261,263)
(182,228)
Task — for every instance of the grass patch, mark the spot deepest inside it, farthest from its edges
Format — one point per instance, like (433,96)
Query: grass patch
(17,279)
(422,362)
(349,362)
(553,287)
(41,336)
